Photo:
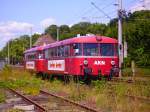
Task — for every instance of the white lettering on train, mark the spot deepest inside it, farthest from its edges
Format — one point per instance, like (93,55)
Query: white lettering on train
(99,62)
(30,65)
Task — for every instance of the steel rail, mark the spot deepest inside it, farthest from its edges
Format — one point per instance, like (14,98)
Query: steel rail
(28,100)
(70,101)
(138,97)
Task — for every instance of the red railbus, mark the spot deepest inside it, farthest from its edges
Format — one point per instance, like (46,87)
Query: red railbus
(85,56)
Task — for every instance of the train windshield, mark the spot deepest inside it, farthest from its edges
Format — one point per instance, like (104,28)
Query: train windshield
(90,49)
(108,49)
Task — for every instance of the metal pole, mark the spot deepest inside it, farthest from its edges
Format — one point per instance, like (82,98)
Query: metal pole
(8,54)
(31,37)
(120,35)
(57,34)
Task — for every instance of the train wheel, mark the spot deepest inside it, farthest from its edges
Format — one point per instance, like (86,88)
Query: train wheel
(43,76)
(38,75)
(87,79)
(66,79)
(50,77)
(110,76)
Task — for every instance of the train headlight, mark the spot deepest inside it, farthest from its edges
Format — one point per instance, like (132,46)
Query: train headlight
(112,62)
(85,62)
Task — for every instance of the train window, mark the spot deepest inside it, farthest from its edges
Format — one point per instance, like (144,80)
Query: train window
(30,56)
(66,50)
(55,51)
(52,52)
(40,56)
(90,49)
(107,49)
(61,51)
(77,49)
(46,54)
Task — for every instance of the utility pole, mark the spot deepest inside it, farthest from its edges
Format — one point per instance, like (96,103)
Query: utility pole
(57,33)
(31,37)
(120,35)
(8,54)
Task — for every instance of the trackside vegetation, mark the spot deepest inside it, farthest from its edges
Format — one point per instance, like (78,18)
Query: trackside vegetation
(105,95)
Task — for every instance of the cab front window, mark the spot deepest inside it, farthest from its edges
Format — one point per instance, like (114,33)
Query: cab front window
(108,49)
(77,51)
(90,49)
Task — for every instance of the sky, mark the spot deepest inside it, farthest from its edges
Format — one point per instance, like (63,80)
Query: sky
(18,17)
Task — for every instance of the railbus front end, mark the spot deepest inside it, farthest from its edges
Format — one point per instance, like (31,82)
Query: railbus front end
(96,60)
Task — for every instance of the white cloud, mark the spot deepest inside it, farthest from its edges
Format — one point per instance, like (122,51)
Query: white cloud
(12,29)
(38,33)
(141,6)
(48,21)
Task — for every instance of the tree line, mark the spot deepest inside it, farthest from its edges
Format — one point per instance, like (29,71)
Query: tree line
(136,31)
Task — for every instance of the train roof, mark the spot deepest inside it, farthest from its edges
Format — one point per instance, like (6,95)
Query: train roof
(39,48)
(83,39)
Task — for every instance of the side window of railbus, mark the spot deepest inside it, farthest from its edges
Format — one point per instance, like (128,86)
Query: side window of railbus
(46,54)
(40,55)
(55,51)
(77,51)
(90,49)
(66,50)
(31,56)
(61,51)
(52,52)
(107,49)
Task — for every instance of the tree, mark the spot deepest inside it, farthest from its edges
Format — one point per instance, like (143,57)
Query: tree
(17,47)
(52,30)
(64,32)
(80,28)
(97,28)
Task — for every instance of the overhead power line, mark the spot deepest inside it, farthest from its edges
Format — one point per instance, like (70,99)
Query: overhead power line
(100,10)
(108,5)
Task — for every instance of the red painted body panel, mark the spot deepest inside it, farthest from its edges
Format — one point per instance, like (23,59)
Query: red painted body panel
(74,65)
(40,65)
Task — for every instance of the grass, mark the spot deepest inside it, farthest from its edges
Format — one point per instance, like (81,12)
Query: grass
(15,110)
(109,96)
(139,72)
(2,97)
(22,80)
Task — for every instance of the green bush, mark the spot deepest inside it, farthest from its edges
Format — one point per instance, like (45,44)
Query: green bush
(2,97)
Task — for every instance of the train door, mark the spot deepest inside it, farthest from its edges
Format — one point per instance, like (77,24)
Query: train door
(67,59)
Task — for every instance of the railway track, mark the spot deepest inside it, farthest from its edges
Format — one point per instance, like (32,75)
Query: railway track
(38,107)
(139,98)
(49,102)
(71,102)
